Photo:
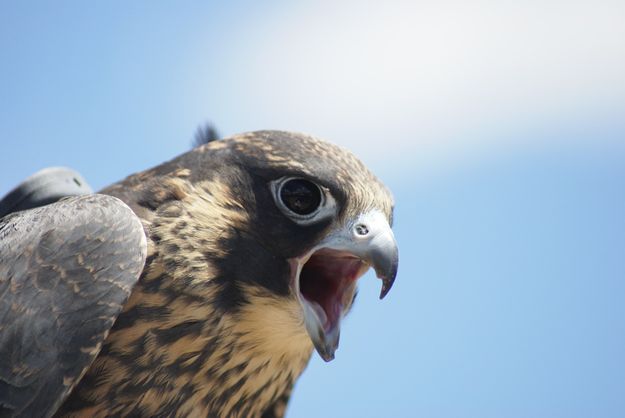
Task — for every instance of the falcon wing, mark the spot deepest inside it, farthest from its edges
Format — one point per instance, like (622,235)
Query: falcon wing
(66,270)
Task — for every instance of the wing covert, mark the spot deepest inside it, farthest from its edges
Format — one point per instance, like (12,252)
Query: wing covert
(66,270)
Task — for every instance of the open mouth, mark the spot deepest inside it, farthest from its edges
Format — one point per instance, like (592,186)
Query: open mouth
(327,282)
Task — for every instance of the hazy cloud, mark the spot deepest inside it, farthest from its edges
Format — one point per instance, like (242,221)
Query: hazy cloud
(426,77)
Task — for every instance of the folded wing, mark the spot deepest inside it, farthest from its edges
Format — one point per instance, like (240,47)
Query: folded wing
(66,270)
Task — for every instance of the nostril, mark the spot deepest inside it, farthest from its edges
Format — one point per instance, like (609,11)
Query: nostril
(361,229)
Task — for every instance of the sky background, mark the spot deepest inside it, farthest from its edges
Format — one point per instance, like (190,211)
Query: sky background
(499,126)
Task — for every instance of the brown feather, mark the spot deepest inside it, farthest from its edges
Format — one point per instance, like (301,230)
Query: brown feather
(211,329)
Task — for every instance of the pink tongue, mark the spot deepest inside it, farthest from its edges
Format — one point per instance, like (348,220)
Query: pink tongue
(324,279)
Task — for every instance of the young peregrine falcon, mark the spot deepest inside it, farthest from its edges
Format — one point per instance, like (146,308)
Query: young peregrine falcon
(203,294)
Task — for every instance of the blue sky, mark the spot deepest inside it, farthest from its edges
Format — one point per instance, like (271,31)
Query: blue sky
(499,127)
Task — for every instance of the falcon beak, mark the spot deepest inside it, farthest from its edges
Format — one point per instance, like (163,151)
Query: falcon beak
(325,278)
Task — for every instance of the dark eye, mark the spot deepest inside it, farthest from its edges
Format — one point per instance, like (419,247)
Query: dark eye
(300,196)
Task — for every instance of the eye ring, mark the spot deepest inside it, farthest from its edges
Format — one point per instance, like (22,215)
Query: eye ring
(302,200)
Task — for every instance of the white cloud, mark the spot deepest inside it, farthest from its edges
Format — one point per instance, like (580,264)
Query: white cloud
(426,77)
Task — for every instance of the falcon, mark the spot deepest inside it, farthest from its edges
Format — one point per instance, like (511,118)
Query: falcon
(198,288)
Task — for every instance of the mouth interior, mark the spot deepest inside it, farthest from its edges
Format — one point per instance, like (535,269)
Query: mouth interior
(327,282)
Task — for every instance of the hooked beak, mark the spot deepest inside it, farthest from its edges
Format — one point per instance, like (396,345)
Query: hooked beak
(324,279)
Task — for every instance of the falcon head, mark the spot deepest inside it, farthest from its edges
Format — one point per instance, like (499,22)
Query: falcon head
(293,223)
(322,216)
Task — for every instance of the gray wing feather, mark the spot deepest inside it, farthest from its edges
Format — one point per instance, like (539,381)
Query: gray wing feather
(66,270)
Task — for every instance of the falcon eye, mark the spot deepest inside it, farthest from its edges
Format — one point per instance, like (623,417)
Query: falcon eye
(300,196)
(303,201)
